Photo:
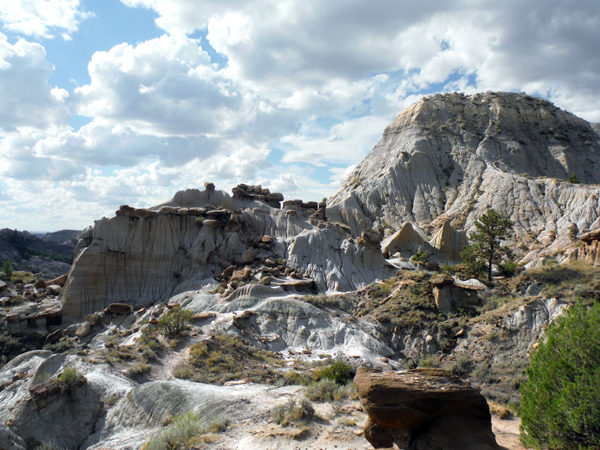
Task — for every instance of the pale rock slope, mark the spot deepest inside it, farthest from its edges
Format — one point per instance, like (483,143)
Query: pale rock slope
(145,255)
(451,157)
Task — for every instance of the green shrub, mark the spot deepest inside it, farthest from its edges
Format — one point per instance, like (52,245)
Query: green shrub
(138,369)
(420,256)
(149,337)
(10,346)
(292,412)
(69,376)
(323,391)
(339,372)
(509,268)
(60,346)
(573,179)
(7,268)
(184,431)
(175,322)
(560,402)
(149,355)
(448,269)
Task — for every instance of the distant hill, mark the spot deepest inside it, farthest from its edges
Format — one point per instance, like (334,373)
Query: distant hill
(51,256)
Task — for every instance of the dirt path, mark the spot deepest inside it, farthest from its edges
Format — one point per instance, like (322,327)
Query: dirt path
(507,432)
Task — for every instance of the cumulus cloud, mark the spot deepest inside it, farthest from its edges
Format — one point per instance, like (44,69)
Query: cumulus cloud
(26,98)
(345,142)
(38,18)
(318,81)
(162,87)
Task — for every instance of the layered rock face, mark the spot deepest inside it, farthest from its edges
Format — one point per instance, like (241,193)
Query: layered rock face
(451,157)
(145,255)
(423,409)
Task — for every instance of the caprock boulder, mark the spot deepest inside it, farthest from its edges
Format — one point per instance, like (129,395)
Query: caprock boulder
(451,157)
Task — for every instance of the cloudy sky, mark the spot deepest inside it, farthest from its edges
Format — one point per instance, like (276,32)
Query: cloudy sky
(109,102)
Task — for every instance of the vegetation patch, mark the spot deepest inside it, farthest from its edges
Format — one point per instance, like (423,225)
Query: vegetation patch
(184,431)
(561,406)
(292,412)
(223,358)
(175,322)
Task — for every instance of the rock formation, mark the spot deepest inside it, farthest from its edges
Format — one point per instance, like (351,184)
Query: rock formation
(146,255)
(451,157)
(423,409)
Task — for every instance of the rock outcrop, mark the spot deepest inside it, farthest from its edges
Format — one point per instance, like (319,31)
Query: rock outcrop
(146,255)
(451,157)
(406,241)
(423,409)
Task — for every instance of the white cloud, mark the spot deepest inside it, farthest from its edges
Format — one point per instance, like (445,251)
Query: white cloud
(345,142)
(38,17)
(316,80)
(162,87)
(26,98)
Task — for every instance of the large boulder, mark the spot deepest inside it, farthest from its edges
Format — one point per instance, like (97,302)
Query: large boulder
(449,243)
(405,240)
(424,409)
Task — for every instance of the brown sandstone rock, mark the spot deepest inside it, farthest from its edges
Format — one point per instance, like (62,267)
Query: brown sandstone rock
(119,308)
(228,272)
(224,263)
(54,289)
(424,409)
(241,275)
(449,242)
(371,236)
(54,337)
(265,281)
(39,284)
(93,319)
(203,315)
(249,255)
(60,281)
(83,330)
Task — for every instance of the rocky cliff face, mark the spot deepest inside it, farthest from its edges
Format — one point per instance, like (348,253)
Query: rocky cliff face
(146,255)
(451,157)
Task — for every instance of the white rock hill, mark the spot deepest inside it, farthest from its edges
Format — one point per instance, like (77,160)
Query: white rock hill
(451,157)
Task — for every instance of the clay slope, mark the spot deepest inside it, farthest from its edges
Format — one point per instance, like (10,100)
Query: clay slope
(454,156)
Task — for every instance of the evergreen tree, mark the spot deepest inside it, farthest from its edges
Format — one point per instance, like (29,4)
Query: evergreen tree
(7,268)
(561,402)
(485,248)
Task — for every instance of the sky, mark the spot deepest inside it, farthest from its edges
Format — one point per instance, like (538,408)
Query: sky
(111,102)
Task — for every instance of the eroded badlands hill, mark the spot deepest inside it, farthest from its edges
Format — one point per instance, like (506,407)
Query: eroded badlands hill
(451,157)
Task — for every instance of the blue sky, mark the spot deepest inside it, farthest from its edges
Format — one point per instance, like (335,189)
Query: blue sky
(107,102)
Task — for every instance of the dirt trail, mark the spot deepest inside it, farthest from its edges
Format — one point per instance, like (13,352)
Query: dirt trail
(507,432)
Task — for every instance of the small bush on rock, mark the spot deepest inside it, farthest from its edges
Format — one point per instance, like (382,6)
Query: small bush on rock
(175,322)
(69,376)
(292,412)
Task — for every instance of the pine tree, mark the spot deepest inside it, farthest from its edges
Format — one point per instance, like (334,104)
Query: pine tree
(485,248)
(560,407)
